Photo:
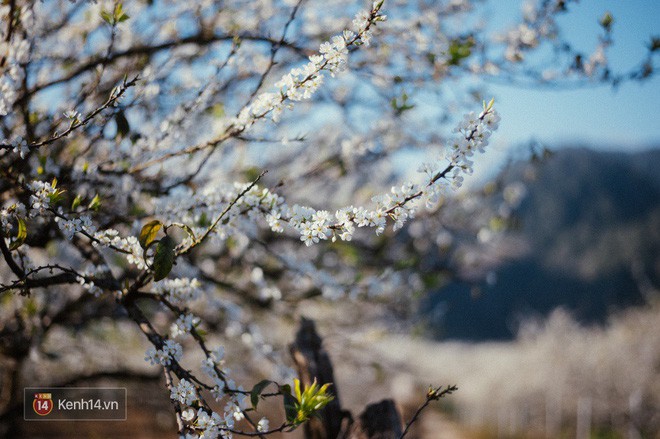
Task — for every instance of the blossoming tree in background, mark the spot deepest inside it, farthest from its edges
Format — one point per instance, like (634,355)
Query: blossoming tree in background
(189,165)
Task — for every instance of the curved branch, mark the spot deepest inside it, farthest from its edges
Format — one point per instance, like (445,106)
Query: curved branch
(199,39)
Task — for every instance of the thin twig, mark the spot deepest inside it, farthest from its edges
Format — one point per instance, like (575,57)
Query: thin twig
(432,395)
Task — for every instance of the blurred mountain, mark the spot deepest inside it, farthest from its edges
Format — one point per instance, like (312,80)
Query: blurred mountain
(591,223)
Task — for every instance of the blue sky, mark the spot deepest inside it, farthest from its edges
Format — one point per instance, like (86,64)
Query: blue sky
(626,118)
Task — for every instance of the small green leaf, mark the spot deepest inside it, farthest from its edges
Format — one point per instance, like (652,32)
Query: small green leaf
(56,196)
(163,258)
(203,220)
(460,49)
(285,389)
(76,202)
(256,392)
(20,236)
(185,227)
(218,110)
(107,17)
(606,21)
(119,14)
(148,233)
(95,203)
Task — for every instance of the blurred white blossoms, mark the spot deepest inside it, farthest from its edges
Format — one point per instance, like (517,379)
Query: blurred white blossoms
(263,425)
(179,291)
(301,82)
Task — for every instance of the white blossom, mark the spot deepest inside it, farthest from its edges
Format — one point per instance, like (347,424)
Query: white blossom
(184,392)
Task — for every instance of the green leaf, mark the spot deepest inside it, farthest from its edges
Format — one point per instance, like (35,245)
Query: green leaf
(399,108)
(460,49)
(218,110)
(76,202)
(203,220)
(148,233)
(56,196)
(606,21)
(119,14)
(20,236)
(256,392)
(95,203)
(107,17)
(185,227)
(163,258)
(290,408)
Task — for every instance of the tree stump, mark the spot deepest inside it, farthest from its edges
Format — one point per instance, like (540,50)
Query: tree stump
(378,421)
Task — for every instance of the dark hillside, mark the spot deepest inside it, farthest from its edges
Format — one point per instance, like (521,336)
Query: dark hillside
(592,222)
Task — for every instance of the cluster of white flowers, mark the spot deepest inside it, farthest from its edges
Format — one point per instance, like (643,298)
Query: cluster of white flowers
(184,392)
(41,197)
(171,350)
(183,325)
(476,131)
(180,291)
(71,226)
(90,286)
(213,425)
(130,245)
(219,387)
(204,423)
(234,408)
(209,363)
(314,225)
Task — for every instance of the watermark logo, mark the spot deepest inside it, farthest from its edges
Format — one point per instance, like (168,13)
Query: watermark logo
(42,404)
(74,404)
